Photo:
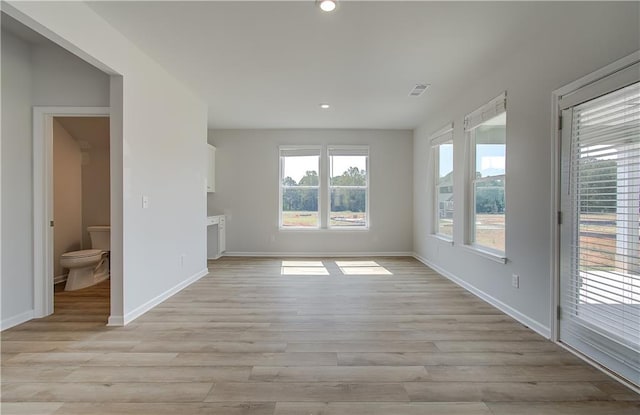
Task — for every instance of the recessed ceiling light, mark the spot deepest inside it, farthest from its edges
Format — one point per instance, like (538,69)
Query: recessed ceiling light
(327,5)
(325,106)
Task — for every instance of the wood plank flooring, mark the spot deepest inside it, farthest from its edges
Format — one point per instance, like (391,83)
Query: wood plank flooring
(390,338)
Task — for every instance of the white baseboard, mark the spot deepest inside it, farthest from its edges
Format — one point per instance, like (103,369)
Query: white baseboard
(15,320)
(137,312)
(340,254)
(541,329)
(115,321)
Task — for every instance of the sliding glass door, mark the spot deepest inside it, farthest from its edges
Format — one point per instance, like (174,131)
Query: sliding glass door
(600,241)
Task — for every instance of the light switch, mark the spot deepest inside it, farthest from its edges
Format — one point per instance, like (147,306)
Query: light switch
(145,201)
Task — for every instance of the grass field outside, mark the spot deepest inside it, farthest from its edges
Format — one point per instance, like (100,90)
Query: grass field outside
(346,218)
(597,245)
(302,219)
(490,230)
(445,227)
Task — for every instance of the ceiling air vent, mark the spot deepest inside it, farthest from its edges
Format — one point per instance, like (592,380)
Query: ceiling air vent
(418,90)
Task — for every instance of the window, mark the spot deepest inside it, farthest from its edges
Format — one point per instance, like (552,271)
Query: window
(348,187)
(299,187)
(485,130)
(442,148)
(304,186)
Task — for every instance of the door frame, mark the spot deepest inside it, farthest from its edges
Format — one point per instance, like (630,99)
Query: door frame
(556,144)
(43,199)
(556,185)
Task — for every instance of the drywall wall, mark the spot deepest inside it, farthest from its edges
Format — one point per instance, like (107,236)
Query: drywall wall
(573,40)
(92,134)
(67,195)
(95,187)
(62,79)
(17,230)
(158,127)
(247,192)
(32,74)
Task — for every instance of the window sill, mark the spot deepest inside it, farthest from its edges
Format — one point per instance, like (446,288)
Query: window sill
(493,256)
(324,230)
(444,239)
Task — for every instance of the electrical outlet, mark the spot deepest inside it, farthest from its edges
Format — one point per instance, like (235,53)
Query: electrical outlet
(145,201)
(182,258)
(515,281)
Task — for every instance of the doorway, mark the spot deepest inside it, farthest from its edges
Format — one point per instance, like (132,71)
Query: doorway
(81,215)
(599,276)
(88,145)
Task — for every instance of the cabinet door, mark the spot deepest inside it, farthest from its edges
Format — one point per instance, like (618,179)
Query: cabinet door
(222,237)
(211,168)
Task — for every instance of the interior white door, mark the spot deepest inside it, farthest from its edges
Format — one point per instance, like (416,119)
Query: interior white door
(599,247)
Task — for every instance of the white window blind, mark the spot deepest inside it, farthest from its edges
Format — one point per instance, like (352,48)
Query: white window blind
(443,135)
(601,300)
(490,110)
(299,151)
(348,151)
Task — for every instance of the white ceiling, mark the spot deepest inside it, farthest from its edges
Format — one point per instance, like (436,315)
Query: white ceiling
(270,64)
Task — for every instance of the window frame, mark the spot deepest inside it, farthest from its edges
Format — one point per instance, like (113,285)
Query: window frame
(472,121)
(302,150)
(440,137)
(324,187)
(356,150)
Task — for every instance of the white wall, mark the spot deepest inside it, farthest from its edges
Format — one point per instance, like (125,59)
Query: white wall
(573,41)
(67,195)
(17,241)
(95,189)
(92,137)
(62,79)
(41,75)
(159,127)
(247,192)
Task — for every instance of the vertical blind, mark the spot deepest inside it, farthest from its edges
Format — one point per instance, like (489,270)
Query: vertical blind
(601,300)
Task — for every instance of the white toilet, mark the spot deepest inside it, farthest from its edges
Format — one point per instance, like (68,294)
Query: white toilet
(89,266)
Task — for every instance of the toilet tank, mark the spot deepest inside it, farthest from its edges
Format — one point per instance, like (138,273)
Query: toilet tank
(100,237)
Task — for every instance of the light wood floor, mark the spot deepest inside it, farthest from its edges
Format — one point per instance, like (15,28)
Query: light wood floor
(247,340)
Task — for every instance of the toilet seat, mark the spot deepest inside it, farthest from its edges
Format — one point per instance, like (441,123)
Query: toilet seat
(76,258)
(82,254)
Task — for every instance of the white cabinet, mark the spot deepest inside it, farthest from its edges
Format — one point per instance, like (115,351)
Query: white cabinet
(216,236)
(211,168)
(222,238)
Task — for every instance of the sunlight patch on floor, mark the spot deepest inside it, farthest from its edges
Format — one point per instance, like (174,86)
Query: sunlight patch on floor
(303,268)
(362,268)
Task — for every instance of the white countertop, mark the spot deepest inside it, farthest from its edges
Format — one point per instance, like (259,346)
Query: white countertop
(214,220)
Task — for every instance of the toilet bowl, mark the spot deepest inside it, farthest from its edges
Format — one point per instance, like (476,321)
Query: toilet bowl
(86,268)
(89,266)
